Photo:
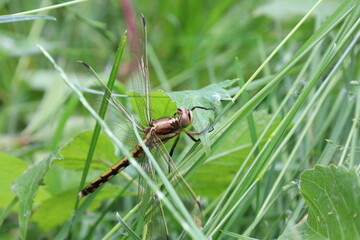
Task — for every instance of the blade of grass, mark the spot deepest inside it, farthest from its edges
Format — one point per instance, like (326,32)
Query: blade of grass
(102,112)
(353,130)
(108,208)
(18,18)
(331,22)
(318,98)
(127,228)
(185,220)
(231,124)
(73,102)
(50,7)
(272,54)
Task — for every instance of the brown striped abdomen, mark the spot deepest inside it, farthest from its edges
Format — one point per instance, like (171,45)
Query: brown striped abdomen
(115,169)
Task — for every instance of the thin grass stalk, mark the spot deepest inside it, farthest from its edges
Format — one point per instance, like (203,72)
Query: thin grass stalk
(230,125)
(286,121)
(320,34)
(272,54)
(102,112)
(187,223)
(234,183)
(318,99)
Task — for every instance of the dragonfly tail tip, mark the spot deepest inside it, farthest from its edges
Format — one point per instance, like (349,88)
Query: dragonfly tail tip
(80,195)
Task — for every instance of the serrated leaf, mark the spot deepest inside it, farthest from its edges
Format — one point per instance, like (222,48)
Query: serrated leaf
(221,167)
(209,97)
(10,168)
(333,196)
(302,231)
(26,188)
(73,155)
(165,104)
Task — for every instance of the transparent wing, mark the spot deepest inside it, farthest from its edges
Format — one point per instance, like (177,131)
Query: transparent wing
(117,117)
(151,207)
(155,213)
(182,188)
(139,68)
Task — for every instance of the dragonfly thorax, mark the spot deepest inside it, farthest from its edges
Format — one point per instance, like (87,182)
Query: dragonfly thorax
(168,127)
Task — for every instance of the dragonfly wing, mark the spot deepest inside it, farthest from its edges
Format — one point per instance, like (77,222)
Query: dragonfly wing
(117,117)
(151,207)
(182,188)
(139,68)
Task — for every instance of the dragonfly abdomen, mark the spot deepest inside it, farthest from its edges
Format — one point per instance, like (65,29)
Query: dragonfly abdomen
(115,169)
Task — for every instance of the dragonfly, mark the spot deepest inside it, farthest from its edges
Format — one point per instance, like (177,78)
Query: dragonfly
(154,135)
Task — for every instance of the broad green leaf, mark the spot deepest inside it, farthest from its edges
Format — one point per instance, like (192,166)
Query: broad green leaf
(55,210)
(26,188)
(302,231)
(209,97)
(73,155)
(219,169)
(161,105)
(165,104)
(10,168)
(333,196)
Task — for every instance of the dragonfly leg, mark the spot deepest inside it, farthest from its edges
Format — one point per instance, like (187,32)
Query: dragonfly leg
(192,138)
(204,108)
(210,126)
(191,133)
(172,150)
(174,145)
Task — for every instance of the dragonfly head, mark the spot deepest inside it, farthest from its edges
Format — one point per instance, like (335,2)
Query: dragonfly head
(185,116)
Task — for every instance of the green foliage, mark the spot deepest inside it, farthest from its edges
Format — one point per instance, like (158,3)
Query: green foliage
(229,157)
(290,102)
(332,195)
(26,187)
(72,155)
(11,168)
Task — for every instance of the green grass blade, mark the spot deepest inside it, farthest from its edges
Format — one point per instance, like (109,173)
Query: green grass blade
(102,111)
(19,18)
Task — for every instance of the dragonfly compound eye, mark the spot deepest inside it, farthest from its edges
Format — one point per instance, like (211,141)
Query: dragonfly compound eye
(185,116)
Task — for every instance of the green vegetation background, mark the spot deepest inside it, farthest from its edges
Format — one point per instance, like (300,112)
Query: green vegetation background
(299,109)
